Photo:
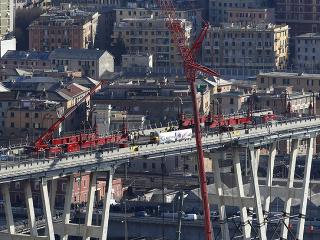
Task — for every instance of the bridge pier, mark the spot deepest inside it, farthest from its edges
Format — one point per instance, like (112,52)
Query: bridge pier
(64,229)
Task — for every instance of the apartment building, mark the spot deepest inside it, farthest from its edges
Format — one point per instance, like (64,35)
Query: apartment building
(91,63)
(250,15)
(106,22)
(70,28)
(302,16)
(299,81)
(307,52)
(259,46)
(218,9)
(25,60)
(183,11)
(151,36)
(7,17)
(32,117)
(38,89)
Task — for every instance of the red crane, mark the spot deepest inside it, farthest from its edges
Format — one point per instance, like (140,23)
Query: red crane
(190,67)
(42,140)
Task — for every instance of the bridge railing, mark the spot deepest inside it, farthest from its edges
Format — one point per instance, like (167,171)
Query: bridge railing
(29,162)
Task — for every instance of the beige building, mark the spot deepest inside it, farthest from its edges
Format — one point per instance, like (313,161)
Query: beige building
(260,46)
(33,117)
(183,12)
(137,60)
(218,8)
(63,29)
(251,15)
(299,81)
(151,36)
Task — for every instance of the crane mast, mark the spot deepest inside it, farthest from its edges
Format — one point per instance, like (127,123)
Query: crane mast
(190,68)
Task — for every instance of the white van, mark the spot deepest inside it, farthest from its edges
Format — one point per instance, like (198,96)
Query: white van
(189,217)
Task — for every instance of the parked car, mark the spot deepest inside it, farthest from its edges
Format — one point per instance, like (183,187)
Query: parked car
(141,214)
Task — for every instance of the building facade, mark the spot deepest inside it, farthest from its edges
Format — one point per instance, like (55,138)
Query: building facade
(307,52)
(151,36)
(25,59)
(299,81)
(63,29)
(261,46)
(91,63)
(251,15)
(301,16)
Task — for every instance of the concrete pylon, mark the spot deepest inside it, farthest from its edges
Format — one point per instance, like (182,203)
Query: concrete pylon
(305,189)
(47,209)
(89,210)
(106,206)
(30,210)
(67,206)
(290,180)
(7,208)
(246,229)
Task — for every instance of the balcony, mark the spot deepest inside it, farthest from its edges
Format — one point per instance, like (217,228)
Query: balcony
(216,47)
(207,47)
(259,47)
(268,47)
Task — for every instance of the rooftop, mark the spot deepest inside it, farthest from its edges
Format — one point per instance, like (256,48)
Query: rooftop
(26,55)
(87,54)
(290,75)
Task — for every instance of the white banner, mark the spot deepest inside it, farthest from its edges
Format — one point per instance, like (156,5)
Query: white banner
(183,134)
(167,137)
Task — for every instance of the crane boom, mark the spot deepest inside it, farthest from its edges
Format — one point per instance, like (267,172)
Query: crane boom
(40,141)
(190,68)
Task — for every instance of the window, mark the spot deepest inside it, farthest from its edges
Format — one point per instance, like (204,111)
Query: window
(27,115)
(231,101)
(36,185)
(36,115)
(12,124)
(298,81)
(310,82)
(262,80)
(17,185)
(79,63)
(153,165)
(268,103)
(118,190)
(84,183)
(286,81)
(64,187)
(27,125)
(92,64)
(274,80)
(176,162)
(144,165)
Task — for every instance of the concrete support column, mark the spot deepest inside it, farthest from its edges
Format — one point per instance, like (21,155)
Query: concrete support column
(305,188)
(106,206)
(251,192)
(67,205)
(257,197)
(268,185)
(7,208)
(53,193)
(47,209)
(89,210)
(290,180)
(30,209)
(246,229)
(52,199)
(221,206)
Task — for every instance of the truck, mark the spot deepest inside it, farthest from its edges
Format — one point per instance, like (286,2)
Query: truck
(189,217)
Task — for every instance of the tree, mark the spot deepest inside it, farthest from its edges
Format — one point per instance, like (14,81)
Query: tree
(118,50)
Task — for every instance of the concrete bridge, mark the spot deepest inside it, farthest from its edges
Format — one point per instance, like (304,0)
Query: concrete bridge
(66,166)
